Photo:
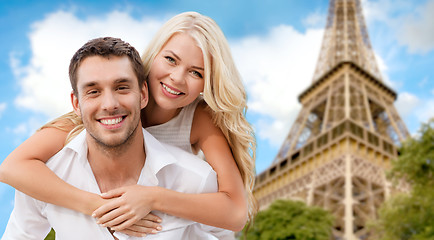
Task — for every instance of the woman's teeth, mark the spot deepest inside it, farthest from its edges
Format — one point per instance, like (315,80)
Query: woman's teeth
(171,90)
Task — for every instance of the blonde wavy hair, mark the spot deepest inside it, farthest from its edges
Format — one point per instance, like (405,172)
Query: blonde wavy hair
(69,122)
(223,91)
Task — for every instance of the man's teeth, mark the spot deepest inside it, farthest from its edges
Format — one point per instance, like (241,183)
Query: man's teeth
(170,90)
(111,121)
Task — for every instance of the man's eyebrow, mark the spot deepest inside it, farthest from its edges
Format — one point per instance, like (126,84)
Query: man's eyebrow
(89,84)
(117,81)
(123,80)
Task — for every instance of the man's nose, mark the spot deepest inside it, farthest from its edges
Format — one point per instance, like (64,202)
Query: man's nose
(109,101)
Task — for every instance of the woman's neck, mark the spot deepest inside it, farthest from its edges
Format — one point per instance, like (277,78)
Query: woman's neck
(153,115)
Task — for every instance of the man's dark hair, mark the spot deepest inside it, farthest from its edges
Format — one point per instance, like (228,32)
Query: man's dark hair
(106,47)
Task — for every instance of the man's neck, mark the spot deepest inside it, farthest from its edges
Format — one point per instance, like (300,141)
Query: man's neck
(117,167)
(154,115)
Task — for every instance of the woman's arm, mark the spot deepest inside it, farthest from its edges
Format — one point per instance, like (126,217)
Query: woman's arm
(226,209)
(25,170)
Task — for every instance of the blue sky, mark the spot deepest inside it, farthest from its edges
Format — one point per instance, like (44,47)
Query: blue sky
(275,44)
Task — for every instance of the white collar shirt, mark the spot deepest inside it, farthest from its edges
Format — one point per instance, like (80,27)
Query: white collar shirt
(165,166)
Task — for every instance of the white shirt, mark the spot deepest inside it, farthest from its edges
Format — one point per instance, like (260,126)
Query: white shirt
(166,166)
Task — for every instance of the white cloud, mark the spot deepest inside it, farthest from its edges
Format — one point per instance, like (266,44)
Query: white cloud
(383,68)
(3,107)
(426,111)
(22,130)
(44,81)
(316,20)
(276,68)
(414,29)
(417,31)
(18,133)
(413,107)
(382,10)
(423,82)
(406,103)
(276,130)
(375,10)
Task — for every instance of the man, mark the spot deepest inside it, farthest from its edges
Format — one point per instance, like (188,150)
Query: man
(109,90)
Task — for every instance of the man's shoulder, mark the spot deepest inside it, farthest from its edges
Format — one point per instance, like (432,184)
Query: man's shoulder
(69,155)
(176,157)
(187,160)
(189,173)
(160,148)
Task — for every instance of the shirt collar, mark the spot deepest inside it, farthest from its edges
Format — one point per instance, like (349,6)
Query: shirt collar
(79,145)
(157,155)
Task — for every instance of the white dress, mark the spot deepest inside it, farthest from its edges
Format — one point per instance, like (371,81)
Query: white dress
(176,132)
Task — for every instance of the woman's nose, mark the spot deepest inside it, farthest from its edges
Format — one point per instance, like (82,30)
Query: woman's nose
(177,75)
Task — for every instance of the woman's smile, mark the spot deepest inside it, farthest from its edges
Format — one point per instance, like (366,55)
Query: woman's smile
(171,90)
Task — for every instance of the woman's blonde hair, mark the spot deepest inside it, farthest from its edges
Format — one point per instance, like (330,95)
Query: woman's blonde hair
(69,122)
(223,89)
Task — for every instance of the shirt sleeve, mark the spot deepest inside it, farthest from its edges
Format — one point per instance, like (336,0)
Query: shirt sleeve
(27,220)
(210,183)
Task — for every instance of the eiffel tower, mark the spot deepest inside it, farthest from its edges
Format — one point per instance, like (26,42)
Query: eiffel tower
(345,135)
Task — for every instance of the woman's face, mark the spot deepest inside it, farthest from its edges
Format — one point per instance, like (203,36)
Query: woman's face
(176,75)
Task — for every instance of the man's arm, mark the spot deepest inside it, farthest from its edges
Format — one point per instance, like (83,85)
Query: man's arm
(27,220)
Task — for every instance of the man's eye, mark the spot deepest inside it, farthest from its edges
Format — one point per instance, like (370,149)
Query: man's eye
(92,92)
(123,88)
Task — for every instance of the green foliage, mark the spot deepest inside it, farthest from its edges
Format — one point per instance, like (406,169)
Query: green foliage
(286,219)
(416,162)
(406,217)
(51,235)
(411,216)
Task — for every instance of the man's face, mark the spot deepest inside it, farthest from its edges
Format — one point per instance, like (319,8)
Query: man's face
(109,99)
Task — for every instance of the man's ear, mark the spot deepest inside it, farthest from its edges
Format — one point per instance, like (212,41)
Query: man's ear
(75,104)
(144,96)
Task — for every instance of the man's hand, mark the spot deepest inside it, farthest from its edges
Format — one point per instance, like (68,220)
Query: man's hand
(129,211)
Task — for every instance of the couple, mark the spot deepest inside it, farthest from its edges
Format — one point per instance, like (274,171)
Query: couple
(188,56)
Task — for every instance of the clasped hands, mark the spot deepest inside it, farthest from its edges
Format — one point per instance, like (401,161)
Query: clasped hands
(128,211)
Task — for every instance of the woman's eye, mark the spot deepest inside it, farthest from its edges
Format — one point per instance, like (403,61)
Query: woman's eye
(197,74)
(170,59)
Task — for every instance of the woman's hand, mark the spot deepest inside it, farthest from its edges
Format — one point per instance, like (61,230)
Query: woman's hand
(128,210)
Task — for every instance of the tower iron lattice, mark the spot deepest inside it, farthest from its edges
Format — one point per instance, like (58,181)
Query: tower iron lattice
(345,135)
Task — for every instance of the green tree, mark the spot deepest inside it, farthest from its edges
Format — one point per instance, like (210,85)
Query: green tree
(411,216)
(286,219)
(51,235)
